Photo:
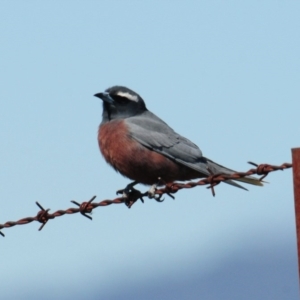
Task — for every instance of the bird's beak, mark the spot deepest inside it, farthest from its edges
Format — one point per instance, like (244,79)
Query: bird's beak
(105,97)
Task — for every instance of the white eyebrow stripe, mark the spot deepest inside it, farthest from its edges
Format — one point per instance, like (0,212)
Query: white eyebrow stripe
(129,96)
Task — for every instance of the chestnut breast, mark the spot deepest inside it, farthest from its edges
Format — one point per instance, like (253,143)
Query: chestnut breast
(135,161)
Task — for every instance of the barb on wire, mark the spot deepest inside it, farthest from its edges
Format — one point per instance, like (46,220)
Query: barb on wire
(85,207)
(43,216)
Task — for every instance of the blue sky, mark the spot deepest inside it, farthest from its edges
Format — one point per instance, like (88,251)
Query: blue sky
(224,74)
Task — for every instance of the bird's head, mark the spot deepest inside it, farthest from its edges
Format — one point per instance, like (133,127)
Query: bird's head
(120,102)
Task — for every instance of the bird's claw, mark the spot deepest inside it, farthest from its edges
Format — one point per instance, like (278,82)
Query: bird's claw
(133,197)
(152,195)
(128,189)
(125,192)
(130,194)
(158,198)
(155,197)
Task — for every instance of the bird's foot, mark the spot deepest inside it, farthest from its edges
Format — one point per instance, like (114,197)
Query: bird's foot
(130,194)
(128,189)
(152,194)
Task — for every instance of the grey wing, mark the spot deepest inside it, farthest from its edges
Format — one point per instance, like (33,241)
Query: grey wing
(155,134)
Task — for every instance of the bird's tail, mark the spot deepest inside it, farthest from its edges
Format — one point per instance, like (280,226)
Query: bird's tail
(218,169)
(250,180)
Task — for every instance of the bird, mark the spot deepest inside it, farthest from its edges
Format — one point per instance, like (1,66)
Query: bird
(144,148)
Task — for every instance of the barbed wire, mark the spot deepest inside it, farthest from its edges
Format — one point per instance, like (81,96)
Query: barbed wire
(133,195)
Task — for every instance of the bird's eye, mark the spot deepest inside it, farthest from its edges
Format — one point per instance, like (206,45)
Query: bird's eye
(120,99)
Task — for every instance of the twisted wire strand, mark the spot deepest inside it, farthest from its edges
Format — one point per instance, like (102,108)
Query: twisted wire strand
(86,207)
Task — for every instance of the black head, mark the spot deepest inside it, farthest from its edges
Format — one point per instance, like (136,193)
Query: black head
(120,102)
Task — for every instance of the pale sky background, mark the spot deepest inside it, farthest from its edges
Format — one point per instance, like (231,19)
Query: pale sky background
(225,74)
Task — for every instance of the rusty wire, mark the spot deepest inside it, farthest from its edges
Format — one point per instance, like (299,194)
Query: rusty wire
(43,216)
